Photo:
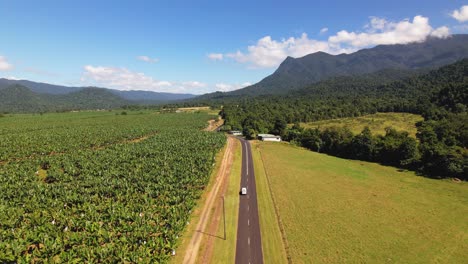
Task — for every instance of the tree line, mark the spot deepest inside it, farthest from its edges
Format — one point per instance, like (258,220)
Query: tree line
(440,96)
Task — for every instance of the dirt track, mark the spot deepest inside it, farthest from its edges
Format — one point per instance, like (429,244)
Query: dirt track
(193,249)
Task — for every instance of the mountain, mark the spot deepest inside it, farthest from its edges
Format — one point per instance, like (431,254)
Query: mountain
(18,98)
(348,96)
(440,96)
(147,96)
(38,87)
(92,98)
(136,96)
(294,74)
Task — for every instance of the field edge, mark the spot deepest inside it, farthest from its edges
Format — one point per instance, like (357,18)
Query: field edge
(274,240)
(196,213)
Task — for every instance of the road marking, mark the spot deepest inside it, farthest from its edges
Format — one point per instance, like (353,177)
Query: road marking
(248,240)
(246,158)
(248,207)
(248,222)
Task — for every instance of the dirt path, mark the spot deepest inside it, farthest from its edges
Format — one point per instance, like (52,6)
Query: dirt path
(214,124)
(216,217)
(193,249)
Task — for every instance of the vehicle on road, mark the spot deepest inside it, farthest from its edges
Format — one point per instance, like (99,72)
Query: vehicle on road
(243,191)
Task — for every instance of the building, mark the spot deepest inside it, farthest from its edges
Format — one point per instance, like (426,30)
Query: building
(269,137)
(235,133)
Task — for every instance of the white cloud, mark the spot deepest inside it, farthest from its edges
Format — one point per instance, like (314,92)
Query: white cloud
(215,56)
(441,32)
(13,78)
(124,79)
(4,64)
(376,23)
(462,14)
(323,30)
(270,53)
(224,87)
(147,59)
(382,31)
(194,84)
(267,52)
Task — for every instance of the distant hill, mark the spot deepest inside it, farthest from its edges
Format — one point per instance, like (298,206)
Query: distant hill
(137,96)
(350,96)
(439,96)
(38,87)
(18,98)
(148,97)
(294,74)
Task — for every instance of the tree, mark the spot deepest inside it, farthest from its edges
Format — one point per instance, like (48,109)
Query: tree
(311,139)
(362,145)
(249,133)
(279,127)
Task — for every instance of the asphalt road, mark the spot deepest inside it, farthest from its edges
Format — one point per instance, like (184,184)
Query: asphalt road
(249,242)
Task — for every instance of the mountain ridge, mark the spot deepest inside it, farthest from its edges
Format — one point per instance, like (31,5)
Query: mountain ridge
(297,73)
(131,95)
(20,99)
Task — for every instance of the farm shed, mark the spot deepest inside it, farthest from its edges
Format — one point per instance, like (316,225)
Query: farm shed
(235,132)
(269,137)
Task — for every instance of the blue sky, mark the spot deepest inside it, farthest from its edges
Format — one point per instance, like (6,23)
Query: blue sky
(200,46)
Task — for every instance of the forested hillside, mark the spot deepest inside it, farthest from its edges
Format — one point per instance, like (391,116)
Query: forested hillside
(441,96)
(17,98)
(27,96)
(297,73)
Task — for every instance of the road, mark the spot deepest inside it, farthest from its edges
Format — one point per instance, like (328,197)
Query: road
(249,242)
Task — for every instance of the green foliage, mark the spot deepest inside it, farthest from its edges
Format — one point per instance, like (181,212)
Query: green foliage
(95,187)
(396,148)
(375,122)
(19,99)
(440,96)
(443,145)
(363,145)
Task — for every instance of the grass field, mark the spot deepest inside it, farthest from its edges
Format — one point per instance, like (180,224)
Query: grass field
(376,122)
(206,109)
(336,210)
(272,244)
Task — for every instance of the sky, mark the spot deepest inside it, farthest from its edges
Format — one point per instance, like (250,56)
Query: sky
(200,46)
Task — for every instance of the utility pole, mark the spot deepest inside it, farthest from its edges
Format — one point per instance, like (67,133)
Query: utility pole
(224,219)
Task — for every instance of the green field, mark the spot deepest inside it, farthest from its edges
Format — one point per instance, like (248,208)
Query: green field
(376,122)
(108,187)
(272,244)
(341,211)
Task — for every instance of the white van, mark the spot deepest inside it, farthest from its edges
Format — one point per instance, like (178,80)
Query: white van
(243,191)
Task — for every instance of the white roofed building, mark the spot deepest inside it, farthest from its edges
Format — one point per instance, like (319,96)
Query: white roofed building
(269,137)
